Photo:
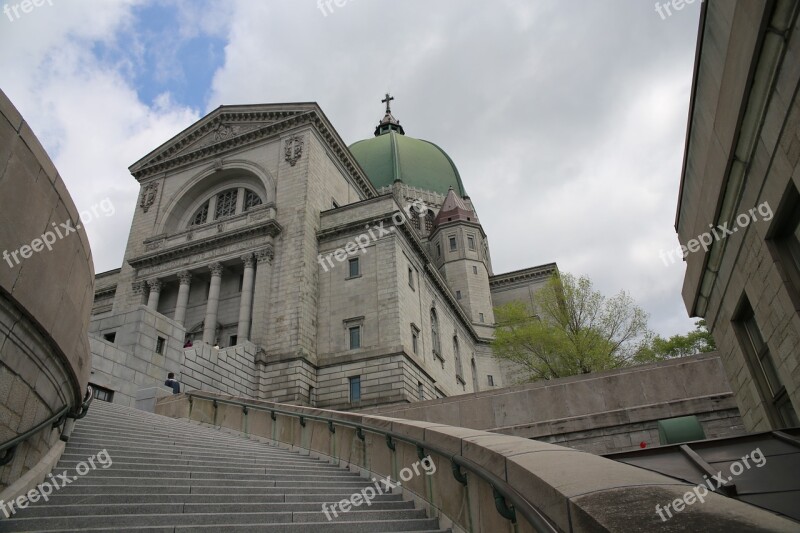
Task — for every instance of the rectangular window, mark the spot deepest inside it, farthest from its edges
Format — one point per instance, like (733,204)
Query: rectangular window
(471,242)
(354,269)
(101,393)
(482,318)
(232,340)
(420,390)
(355,337)
(785,243)
(414,339)
(491,380)
(458,295)
(411,277)
(474,269)
(763,370)
(160,343)
(110,337)
(453,243)
(355,388)
(438,249)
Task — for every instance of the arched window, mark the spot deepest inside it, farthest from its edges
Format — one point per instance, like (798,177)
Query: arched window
(435,333)
(225,204)
(414,214)
(429,216)
(457,352)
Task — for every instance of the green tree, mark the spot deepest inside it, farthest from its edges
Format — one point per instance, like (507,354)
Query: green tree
(694,342)
(577,330)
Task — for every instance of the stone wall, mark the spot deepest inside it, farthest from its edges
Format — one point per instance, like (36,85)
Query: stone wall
(601,413)
(743,161)
(46,289)
(229,370)
(130,362)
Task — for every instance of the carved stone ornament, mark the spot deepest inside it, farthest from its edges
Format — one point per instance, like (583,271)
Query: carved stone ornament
(185,277)
(154,285)
(293,149)
(225,132)
(265,255)
(216,269)
(248,260)
(148,197)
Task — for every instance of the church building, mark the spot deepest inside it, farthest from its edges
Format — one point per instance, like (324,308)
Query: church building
(268,259)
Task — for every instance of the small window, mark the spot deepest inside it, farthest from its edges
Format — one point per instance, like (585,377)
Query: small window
(786,247)
(251,200)
(438,249)
(101,393)
(110,337)
(458,295)
(414,339)
(335,204)
(232,340)
(355,337)
(355,389)
(482,318)
(411,277)
(160,343)
(474,269)
(453,244)
(354,269)
(471,242)
(491,380)
(420,390)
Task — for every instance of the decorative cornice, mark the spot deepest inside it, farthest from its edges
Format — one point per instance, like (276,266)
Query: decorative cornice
(524,275)
(105,292)
(267,228)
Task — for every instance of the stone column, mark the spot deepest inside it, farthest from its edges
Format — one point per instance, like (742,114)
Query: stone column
(246,305)
(155,293)
(210,324)
(183,297)
(261,295)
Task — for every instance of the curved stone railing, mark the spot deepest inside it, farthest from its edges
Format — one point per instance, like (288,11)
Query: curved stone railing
(476,474)
(46,290)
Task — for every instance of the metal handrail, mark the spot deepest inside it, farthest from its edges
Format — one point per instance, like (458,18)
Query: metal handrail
(500,487)
(10,446)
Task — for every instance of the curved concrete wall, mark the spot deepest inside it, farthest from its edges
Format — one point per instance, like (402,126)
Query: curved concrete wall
(46,289)
(576,491)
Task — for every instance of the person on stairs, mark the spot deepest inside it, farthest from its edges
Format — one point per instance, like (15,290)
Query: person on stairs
(172,382)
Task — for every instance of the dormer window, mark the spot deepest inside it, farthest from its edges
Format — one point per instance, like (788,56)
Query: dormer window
(225,204)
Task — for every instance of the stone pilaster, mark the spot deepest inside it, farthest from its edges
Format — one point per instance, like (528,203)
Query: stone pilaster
(263,279)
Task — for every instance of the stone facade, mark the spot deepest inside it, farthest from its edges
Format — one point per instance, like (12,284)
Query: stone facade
(742,173)
(46,288)
(242,242)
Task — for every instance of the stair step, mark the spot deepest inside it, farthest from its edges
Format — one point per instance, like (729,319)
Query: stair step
(147,498)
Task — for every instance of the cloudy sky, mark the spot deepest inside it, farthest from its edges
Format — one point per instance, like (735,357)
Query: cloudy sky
(566,118)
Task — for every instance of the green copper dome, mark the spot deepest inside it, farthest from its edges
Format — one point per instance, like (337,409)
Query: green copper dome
(392,155)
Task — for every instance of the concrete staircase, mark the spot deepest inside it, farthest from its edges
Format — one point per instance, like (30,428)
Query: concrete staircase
(174,476)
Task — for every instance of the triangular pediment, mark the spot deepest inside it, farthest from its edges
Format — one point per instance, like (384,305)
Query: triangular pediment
(223,128)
